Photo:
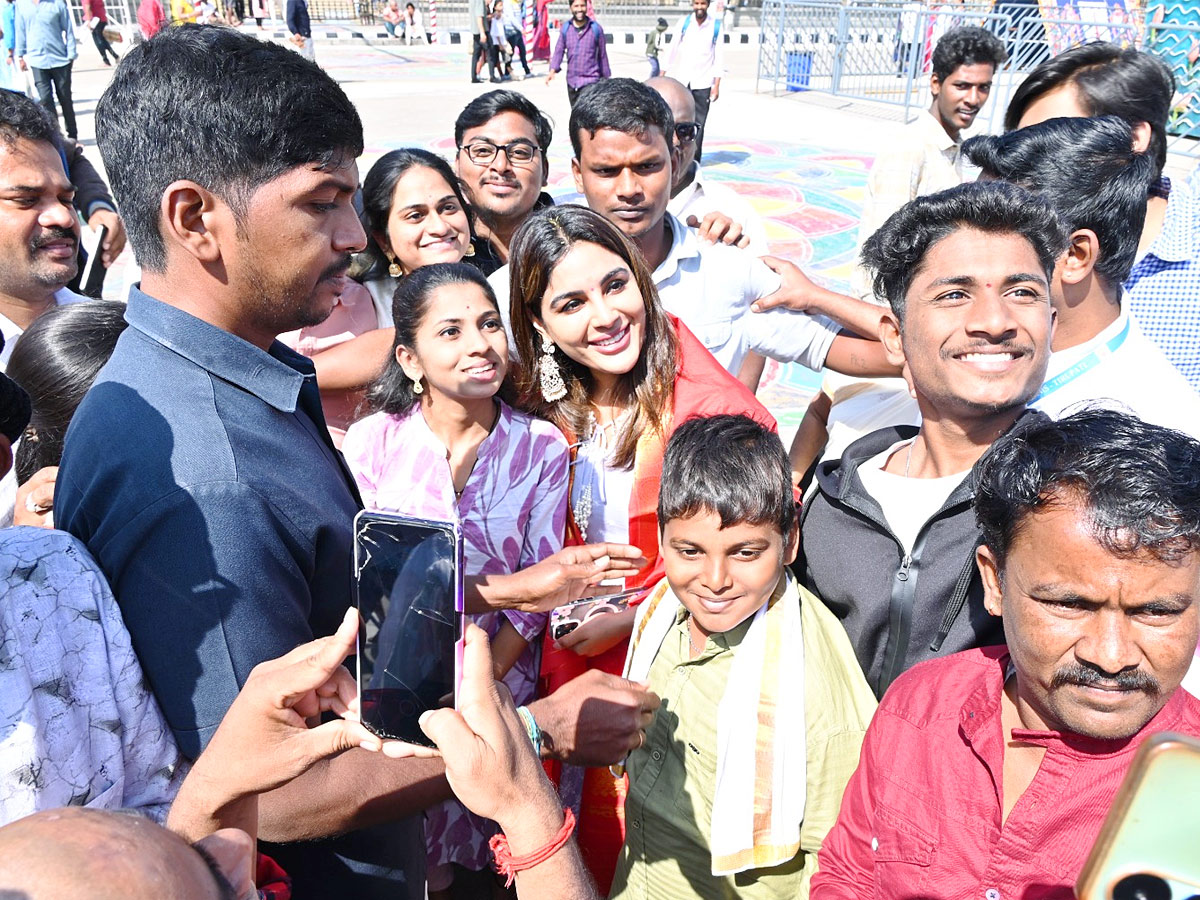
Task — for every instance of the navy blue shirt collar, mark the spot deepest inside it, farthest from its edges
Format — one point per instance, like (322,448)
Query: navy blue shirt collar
(275,377)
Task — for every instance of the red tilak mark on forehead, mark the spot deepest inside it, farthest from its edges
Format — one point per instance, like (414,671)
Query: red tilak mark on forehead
(989,284)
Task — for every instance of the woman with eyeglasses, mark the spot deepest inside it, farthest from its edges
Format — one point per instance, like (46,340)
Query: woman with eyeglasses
(604,362)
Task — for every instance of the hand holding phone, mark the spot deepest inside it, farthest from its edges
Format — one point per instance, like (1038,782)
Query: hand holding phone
(408,586)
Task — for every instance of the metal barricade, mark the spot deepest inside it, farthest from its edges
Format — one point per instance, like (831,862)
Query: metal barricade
(453,15)
(882,51)
(613,15)
(797,52)
(879,51)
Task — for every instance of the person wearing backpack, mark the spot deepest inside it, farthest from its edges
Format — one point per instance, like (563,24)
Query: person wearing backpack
(696,59)
(582,40)
(654,43)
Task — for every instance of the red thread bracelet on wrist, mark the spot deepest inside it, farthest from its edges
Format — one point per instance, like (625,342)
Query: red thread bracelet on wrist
(509,865)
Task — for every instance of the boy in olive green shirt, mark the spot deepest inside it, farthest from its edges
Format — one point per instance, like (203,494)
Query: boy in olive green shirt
(764,705)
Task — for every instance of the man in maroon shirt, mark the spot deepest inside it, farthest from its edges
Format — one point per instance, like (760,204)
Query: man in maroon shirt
(988,773)
(95,18)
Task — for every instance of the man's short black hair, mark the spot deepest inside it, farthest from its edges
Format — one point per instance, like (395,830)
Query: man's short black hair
(223,109)
(895,252)
(621,104)
(1088,171)
(731,466)
(487,106)
(966,46)
(1110,81)
(21,117)
(1139,482)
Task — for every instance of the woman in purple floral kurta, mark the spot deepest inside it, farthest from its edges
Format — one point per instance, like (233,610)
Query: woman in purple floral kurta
(512,509)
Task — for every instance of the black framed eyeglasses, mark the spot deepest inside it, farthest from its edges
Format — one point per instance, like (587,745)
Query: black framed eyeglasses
(686,132)
(482,151)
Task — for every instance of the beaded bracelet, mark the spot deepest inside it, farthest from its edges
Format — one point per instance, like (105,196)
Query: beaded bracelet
(509,865)
(531,727)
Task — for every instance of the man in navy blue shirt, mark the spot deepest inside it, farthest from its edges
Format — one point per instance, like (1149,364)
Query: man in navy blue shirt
(300,28)
(199,470)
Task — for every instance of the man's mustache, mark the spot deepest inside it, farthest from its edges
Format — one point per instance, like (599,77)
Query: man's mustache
(1088,676)
(339,268)
(52,234)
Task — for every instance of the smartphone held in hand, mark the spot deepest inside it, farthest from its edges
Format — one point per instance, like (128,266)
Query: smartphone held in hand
(565,619)
(408,585)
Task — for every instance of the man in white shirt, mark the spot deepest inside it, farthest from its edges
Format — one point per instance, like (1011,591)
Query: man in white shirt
(624,163)
(1089,172)
(925,159)
(692,195)
(696,59)
(39,230)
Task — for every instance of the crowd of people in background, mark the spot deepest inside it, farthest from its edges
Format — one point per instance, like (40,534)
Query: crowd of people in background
(912,654)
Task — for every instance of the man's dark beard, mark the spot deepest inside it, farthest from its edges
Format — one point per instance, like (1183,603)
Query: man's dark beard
(290,310)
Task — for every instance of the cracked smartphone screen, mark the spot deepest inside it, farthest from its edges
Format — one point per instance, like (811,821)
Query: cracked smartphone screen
(408,588)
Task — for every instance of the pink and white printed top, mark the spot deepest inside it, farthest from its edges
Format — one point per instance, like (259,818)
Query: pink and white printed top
(512,511)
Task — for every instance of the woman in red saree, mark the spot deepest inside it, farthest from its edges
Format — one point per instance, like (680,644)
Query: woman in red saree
(541,31)
(606,364)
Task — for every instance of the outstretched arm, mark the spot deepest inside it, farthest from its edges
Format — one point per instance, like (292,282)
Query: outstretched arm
(354,363)
(800,293)
(563,577)
(852,355)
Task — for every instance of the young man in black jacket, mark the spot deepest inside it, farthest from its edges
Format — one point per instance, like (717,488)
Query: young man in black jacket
(889,538)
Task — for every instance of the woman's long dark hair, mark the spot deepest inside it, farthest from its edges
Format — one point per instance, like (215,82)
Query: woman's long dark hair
(378,188)
(538,247)
(56,361)
(392,391)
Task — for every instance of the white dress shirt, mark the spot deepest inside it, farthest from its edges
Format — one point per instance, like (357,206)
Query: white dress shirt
(1120,368)
(702,196)
(711,286)
(695,54)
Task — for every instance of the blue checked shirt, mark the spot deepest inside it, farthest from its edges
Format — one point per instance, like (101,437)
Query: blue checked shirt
(1163,290)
